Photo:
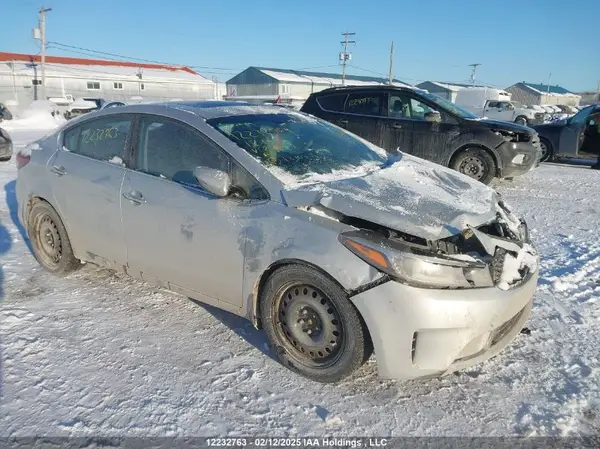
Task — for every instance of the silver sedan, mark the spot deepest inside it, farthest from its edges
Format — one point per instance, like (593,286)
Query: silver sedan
(329,244)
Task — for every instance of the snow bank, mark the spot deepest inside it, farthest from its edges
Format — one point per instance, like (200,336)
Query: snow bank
(39,115)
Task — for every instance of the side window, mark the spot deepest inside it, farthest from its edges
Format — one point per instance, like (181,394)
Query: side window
(399,106)
(365,103)
(171,150)
(493,104)
(103,139)
(418,109)
(332,103)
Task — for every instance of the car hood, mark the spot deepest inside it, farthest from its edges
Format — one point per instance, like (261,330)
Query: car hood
(413,196)
(553,125)
(505,126)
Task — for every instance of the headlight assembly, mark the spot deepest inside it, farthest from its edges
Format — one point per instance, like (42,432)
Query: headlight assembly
(411,266)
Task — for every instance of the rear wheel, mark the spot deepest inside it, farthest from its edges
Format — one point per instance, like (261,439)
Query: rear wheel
(475,163)
(312,325)
(51,245)
(6,158)
(546,150)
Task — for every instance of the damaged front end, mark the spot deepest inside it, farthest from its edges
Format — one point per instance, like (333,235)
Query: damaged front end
(497,253)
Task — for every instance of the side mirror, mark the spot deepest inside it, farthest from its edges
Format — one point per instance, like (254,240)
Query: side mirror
(214,181)
(433,117)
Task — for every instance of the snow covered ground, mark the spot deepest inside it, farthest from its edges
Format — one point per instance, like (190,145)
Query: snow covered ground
(100,354)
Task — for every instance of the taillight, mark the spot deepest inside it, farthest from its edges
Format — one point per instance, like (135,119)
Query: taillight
(22,160)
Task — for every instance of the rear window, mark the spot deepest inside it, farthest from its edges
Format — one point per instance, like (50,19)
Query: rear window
(333,103)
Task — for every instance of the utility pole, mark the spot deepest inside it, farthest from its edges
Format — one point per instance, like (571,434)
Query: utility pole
(473,72)
(345,56)
(549,78)
(391,75)
(598,93)
(43,12)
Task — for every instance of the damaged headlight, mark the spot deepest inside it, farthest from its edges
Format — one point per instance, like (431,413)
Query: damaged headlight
(411,266)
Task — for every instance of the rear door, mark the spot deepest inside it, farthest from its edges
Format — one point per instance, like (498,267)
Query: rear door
(86,176)
(364,116)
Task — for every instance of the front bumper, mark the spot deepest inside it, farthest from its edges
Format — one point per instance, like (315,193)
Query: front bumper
(420,332)
(531,154)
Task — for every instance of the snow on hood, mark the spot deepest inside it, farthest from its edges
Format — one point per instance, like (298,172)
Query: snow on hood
(413,195)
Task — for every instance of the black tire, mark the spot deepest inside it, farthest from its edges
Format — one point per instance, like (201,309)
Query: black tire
(476,163)
(298,300)
(522,120)
(5,159)
(547,150)
(49,239)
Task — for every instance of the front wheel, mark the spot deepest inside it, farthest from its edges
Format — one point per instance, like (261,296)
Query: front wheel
(312,325)
(476,163)
(49,239)
(521,120)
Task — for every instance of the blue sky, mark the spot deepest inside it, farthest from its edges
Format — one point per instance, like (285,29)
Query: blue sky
(434,40)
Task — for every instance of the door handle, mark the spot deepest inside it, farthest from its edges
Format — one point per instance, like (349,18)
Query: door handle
(397,126)
(58,170)
(134,196)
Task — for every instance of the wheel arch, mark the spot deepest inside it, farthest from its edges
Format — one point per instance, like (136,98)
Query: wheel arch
(492,153)
(523,117)
(34,199)
(254,311)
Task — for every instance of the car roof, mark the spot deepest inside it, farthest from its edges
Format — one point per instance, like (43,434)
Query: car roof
(206,109)
(367,88)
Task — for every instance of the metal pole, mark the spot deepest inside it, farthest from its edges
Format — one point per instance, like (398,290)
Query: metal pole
(549,78)
(43,12)
(473,72)
(391,75)
(345,55)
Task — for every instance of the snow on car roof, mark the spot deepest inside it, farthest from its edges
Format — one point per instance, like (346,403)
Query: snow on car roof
(215,109)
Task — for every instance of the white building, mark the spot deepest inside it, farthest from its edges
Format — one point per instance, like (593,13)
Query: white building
(21,79)
(259,84)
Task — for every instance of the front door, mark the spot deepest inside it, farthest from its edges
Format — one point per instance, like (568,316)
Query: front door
(572,135)
(86,176)
(176,231)
(591,141)
(399,133)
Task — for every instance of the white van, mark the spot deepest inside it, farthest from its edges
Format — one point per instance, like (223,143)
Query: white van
(496,104)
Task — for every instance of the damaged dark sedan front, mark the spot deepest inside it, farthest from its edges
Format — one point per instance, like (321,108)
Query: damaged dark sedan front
(331,245)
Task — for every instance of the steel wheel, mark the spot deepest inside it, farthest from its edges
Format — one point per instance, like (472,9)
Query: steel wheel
(311,323)
(473,166)
(49,240)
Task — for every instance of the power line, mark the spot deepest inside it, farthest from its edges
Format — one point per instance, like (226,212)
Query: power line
(130,58)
